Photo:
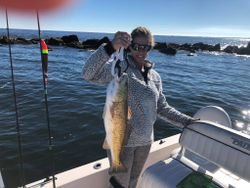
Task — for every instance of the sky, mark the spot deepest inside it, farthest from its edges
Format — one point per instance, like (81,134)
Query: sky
(216,18)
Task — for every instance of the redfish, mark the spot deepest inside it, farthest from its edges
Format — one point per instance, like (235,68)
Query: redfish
(116,114)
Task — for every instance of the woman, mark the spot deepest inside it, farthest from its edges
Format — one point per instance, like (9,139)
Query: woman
(145,96)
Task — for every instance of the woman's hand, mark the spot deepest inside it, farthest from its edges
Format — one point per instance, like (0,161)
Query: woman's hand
(194,120)
(121,40)
(191,120)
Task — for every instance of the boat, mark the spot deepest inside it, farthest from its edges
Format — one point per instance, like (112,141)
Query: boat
(209,146)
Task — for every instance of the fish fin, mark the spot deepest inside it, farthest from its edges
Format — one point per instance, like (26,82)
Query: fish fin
(105,144)
(104,112)
(129,113)
(117,168)
(118,56)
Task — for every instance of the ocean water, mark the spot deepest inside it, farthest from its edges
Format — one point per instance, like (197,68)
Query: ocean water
(75,106)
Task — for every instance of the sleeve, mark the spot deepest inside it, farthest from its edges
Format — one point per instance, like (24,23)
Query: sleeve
(170,114)
(97,68)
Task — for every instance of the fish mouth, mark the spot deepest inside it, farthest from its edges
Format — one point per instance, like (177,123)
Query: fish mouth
(123,78)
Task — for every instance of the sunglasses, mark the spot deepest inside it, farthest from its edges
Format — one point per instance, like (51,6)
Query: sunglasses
(140,47)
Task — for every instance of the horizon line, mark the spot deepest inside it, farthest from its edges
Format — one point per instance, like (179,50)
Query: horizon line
(158,34)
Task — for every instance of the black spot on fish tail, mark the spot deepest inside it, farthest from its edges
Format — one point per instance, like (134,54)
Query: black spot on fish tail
(112,110)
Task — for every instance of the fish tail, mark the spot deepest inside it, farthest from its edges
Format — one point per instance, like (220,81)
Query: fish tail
(117,168)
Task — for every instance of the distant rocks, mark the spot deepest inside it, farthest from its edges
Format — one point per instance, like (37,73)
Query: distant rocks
(70,39)
(231,49)
(244,51)
(206,47)
(18,40)
(4,40)
(237,50)
(94,43)
(74,42)
(166,48)
(172,48)
(168,51)
(55,42)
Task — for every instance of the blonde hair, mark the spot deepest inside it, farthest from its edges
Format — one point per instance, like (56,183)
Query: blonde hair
(143,31)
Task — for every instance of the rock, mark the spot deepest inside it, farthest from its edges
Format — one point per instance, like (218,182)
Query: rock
(173,45)
(91,44)
(55,42)
(187,47)
(20,40)
(166,48)
(235,49)
(244,51)
(70,39)
(103,40)
(198,46)
(160,45)
(231,49)
(75,45)
(4,40)
(212,48)
(168,51)
(217,47)
(248,45)
(94,43)
(35,40)
(205,47)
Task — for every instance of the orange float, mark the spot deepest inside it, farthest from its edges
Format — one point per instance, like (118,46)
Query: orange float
(45,53)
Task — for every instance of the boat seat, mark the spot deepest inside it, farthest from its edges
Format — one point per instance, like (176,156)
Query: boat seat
(207,147)
(165,174)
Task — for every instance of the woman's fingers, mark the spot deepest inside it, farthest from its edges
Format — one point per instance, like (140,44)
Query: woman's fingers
(121,40)
(124,35)
(125,42)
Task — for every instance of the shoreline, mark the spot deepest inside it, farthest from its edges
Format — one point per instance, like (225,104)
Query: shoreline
(93,43)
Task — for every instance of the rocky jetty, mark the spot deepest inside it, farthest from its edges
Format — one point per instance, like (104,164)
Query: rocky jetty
(237,50)
(166,48)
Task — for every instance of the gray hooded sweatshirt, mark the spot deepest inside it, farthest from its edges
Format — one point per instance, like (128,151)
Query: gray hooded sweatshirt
(145,99)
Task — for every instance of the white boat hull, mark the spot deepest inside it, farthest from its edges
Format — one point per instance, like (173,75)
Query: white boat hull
(88,176)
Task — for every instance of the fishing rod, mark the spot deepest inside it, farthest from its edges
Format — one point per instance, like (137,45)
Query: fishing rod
(44,60)
(21,169)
